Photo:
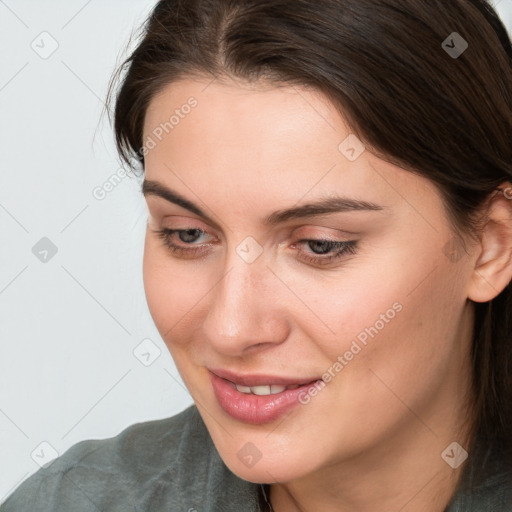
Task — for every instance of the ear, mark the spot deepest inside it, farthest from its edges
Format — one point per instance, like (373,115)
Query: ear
(493,267)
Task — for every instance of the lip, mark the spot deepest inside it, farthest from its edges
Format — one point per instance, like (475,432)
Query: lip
(256,409)
(261,380)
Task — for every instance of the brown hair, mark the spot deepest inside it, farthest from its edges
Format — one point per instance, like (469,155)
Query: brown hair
(382,63)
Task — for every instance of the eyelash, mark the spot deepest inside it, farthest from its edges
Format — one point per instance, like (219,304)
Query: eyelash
(343,247)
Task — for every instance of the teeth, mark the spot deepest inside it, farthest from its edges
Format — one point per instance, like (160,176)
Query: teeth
(276,388)
(270,389)
(261,390)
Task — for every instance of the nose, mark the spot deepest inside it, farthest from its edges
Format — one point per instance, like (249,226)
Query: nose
(246,309)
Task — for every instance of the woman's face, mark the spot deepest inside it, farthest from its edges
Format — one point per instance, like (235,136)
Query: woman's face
(375,317)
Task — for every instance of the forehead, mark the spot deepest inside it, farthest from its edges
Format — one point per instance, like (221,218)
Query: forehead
(264,143)
(240,112)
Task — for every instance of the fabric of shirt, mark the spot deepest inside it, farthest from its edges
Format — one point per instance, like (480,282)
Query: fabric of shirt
(172,465)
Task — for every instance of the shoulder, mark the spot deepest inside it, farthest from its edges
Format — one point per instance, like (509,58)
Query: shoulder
(495,495)
(486,484)
(155,465)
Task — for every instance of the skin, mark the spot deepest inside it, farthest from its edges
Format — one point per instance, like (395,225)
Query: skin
(372,438)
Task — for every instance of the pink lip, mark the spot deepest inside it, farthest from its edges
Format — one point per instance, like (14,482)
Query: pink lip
(256,409)
(261,380)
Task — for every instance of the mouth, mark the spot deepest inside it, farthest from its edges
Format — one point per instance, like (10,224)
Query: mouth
(259,399)
(263,384)
(266,389)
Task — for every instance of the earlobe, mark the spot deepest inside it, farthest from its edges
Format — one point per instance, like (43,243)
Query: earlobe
(493,266)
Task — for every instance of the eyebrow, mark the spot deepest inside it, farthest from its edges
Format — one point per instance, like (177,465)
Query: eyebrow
(327,205)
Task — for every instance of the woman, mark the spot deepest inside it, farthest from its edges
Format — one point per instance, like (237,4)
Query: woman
(328,259)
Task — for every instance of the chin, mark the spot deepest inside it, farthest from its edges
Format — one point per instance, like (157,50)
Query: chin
(270,465)
(265,473)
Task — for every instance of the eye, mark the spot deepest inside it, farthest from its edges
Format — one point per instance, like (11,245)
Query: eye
(170,237)
(188,243)
(326,251)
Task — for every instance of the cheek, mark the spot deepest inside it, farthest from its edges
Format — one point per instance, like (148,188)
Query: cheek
(161,286)
(411,361)
(174,291)
(399,319)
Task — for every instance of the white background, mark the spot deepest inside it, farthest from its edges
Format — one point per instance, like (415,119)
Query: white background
(69,326)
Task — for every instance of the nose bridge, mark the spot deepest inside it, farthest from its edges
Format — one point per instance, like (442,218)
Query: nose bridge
(243,309)
(240,290)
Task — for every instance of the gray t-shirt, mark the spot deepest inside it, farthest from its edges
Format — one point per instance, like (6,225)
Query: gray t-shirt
(171,465)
